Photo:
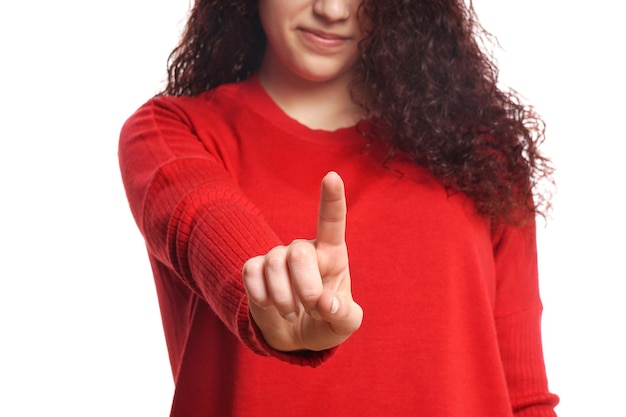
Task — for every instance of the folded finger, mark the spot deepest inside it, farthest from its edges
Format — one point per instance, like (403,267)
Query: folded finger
(254,282)
(278,283)
(305,275)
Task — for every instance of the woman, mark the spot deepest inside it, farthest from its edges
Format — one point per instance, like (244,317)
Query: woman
(435,311)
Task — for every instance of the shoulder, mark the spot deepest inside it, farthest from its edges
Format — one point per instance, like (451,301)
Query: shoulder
(221,105)
(222,98)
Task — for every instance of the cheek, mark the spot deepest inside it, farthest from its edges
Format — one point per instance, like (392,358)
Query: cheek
(269,16)
(273,26)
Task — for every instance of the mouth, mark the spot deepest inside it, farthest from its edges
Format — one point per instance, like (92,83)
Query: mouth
(325,35)
(321,39)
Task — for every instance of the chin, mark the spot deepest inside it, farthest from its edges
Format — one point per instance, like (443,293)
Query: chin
(321,74)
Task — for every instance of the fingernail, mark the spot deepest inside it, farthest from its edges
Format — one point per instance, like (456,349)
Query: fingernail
(291,317)
(334,306)
(315,314)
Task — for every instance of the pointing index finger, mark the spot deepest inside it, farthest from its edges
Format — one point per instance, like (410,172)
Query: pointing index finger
(331,221)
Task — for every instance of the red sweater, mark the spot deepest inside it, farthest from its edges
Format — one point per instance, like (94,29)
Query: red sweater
(452,309)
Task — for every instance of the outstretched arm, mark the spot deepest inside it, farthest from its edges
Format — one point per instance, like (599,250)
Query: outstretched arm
(300,295)
(199,227)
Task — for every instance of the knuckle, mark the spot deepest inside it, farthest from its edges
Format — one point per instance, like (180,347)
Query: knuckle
(258,299)
(275,259)
(283,303)
(300,252)
(309,296)
(252,267)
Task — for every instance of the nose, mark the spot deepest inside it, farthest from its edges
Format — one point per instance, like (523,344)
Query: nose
(333,10)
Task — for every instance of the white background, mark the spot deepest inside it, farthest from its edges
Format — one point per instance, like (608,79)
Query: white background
(79,322)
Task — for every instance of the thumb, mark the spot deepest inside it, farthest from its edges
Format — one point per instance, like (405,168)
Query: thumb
(331,220)
(341,312)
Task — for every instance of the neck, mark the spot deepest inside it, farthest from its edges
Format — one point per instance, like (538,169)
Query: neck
(324,105)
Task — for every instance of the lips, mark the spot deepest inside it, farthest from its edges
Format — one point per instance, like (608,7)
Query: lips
(323,40)
(325,35)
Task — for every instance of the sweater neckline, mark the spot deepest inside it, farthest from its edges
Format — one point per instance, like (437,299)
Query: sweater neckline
(260,102)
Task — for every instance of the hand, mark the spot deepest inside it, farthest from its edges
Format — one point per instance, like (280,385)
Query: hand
(299,295)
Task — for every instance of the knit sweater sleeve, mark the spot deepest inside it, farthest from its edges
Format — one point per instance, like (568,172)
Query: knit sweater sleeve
(518,322)
(194,218)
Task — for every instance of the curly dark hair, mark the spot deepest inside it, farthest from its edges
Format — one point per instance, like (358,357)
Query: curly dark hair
(432,89)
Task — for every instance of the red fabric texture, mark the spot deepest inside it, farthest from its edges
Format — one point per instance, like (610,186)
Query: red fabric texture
(451,304)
